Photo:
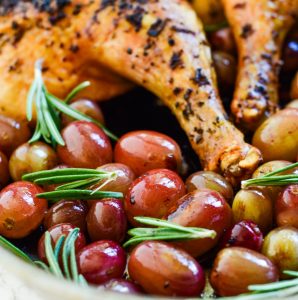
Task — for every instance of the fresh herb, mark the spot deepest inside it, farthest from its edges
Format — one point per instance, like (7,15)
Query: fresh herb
(56,196)
(75,183)
(65,248)
(48,109)
(165,231)
(275,290)
(273,178)
(12,248)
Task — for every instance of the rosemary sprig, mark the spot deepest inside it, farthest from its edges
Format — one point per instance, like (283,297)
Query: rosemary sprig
(65,247)
(274,178)
(75,183)
(49,107)
(271,290)
(165,231)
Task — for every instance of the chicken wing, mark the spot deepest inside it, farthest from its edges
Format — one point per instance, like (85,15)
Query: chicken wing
(157,44)
(259,27)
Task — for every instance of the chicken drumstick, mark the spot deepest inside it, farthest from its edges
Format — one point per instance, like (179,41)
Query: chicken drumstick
(260,27)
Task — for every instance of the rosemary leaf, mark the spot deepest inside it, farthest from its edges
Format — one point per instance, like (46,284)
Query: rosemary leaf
(273,179)
(42,265)
(52,261)
(291,273)
(84,183)
(61,172)
(36,135)
(12,248)
(281,170)
(72,258)
(30,100)
(165,231)
(82,281)
(50,123)
(67,179)
(167,224)
(269,287)
(76,90)
(66,109)
(58,246)
(56,196)
(66,251)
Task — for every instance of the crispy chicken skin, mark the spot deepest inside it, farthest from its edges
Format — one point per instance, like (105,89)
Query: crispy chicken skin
(158,44)
(259,27)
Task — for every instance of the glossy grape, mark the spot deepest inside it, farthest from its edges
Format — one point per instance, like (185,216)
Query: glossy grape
(29,158)
(21,211)
(12,134)
(236,268)
(106,220)
(253,205)
(67,211)
(86,146)
(210,180)
(147,150)
(4,172)
(202,208)
(55,233)
(286,207)
(101,261)
(162,269)
(87,107)
(281,246)
(243,234)
(123,180)
(153,194)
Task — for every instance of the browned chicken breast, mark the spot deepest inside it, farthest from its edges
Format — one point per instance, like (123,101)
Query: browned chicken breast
(260,27)
(157,44)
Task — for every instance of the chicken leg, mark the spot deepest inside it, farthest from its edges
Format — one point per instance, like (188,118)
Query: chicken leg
(157,44)
(259,27)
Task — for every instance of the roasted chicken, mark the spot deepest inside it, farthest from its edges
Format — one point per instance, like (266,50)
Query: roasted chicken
(160,45)
(259,27)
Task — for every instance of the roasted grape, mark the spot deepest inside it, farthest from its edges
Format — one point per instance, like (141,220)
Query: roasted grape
(162,269)
(86,146)
(286,207)
(29,158)
(277,137)
(236,268)
(67,211)
(56,232)
(202,208)
(253,205)
(210,180)
(21,211)
(101,261)
(280,246)
(153,194)
(122,181)
(147,150)
(87,107)
(4,172)
(106,220)
(12,134)
(243,234)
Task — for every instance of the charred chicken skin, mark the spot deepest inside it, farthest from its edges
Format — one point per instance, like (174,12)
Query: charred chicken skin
(259,27)
(160,45)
